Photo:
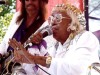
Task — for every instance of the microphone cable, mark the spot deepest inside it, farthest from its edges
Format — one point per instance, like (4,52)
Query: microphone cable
(43,69)
(21,52)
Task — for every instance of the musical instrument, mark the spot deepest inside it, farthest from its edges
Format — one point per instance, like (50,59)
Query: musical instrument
(9,66)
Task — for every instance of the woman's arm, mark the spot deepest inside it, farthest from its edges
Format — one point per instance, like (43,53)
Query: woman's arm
(23,56)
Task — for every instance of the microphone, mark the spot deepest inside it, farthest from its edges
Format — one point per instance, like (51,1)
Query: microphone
(4,2)
(46,31)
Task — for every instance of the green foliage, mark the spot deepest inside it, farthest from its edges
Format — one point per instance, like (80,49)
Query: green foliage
(6,13)
(7,8)
(4,23)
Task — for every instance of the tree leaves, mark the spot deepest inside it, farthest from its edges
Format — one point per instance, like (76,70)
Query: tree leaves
(6,13)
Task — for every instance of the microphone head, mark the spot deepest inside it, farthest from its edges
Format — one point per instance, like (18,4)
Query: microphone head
(47,31)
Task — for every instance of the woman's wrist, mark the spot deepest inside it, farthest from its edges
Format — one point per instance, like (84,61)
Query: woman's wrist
(31,58)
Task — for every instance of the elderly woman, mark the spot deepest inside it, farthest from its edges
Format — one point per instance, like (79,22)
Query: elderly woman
(75,50)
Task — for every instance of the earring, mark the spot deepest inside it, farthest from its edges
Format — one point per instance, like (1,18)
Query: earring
(73,27)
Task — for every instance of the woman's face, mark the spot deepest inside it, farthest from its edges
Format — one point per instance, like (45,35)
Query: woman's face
(60,22)
(32,6)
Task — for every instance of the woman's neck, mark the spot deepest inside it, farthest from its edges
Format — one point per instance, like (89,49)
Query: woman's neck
(30,20)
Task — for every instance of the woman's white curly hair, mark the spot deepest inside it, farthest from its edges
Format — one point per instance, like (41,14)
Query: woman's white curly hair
(78,22)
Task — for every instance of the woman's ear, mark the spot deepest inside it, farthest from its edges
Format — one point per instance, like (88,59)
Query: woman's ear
(72,26)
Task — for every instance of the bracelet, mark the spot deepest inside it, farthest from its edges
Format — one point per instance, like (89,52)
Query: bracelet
(48,61)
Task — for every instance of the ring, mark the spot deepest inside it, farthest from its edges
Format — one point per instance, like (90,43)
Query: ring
(17,48)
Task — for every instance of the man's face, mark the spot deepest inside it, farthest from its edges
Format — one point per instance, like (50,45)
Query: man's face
(59,22)
(32,6)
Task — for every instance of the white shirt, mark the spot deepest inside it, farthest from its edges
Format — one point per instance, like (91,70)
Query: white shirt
(74,60)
